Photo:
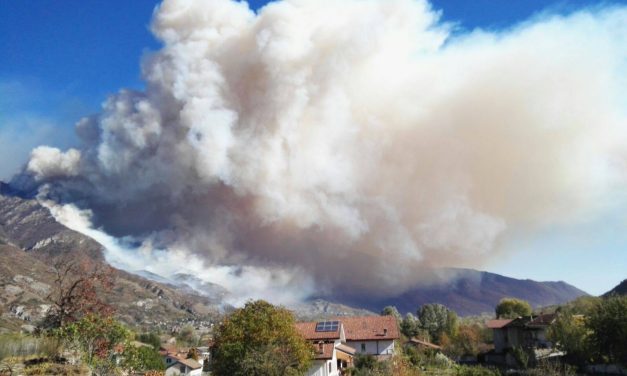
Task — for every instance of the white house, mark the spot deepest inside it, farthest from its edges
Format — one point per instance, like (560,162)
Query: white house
(183,367)
(176,362)
(374,335)
(332,354)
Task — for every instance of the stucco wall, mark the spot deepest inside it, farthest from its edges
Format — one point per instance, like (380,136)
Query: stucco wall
(321,367)
(373,347)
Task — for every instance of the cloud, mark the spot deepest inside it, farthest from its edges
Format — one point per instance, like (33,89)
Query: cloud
(354,142)
(47,162)
(23,125)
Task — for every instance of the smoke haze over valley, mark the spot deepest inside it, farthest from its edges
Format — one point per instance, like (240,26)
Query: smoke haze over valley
(317,145)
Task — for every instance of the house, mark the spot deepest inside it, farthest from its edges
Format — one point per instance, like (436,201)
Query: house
(525,332)
(529,333)
(176,361)
(337,340)
(373,335)
(332,355)
(186,367)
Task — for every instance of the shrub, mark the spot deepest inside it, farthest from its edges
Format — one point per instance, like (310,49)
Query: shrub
(547,368)
(476,371)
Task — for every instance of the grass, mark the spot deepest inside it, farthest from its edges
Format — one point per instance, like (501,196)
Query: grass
(14,345)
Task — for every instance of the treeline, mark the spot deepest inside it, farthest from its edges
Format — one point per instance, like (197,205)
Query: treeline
(592,330)
(588,330)
(439,325)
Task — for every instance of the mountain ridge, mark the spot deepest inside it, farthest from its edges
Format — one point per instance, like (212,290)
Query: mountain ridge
(29,228)
(471,292)
(620,289)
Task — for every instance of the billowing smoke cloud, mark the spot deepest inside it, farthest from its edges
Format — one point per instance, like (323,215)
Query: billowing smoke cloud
(357,141)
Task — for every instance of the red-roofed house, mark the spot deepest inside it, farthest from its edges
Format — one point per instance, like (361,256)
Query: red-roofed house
(336,341)
(176,361)
(523,332)
(332,355)
(374,335)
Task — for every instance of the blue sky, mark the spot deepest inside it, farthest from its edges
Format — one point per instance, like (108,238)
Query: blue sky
(60,59)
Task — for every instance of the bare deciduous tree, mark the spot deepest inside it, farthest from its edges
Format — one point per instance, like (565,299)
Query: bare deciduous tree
(80,286)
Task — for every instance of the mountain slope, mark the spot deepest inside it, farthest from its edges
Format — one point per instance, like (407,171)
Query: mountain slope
(620,289)
(471,292)
(30,239)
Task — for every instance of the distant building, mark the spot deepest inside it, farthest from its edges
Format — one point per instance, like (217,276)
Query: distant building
(528,333)
(176,361)
(184,367)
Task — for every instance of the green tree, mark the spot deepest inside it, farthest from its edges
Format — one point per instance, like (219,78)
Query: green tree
(392,311)
(570,334)
(608,323)
(452,323)
(365,361)
(467,341)
(583,305)
(141,359)
(476,371)
(188,336)
(151,339)
(410,326)
(436,319)
(99,339)
(511,308)
(260,339)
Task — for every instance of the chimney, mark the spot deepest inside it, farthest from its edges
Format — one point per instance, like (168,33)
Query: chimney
(385,331)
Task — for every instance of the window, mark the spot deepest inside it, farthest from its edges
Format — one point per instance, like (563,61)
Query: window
(330,367)
(363,347)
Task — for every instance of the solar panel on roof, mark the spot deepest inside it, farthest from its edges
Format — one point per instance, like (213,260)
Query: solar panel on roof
(327,326)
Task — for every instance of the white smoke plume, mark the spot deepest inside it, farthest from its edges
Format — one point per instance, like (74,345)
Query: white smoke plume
(351,141)
(279,286)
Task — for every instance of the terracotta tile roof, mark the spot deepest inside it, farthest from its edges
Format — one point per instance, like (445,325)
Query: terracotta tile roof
(366,328)
(520,322)
(308,330)
(498,324)
(542,320)
(191,363)
(169,348)
(362,328)
(323,350)
(525,322)
(417,341)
